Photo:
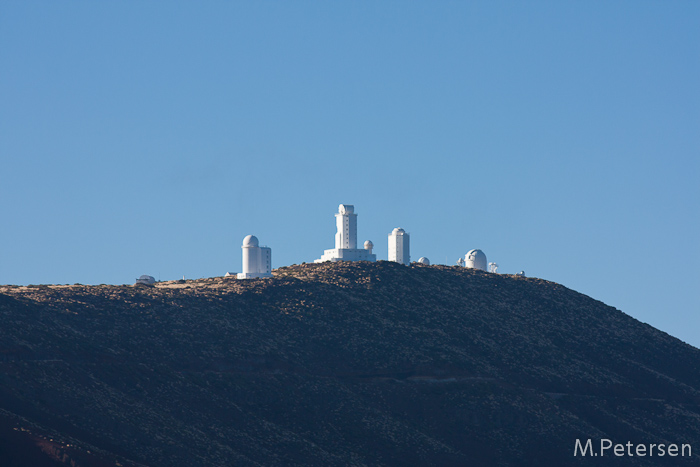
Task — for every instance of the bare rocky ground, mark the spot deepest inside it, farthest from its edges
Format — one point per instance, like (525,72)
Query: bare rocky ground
(335,364)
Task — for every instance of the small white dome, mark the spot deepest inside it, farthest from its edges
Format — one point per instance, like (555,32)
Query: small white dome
(250,241)
(475,259)
(424,260)
(369,245)
(346,209)
(398,231)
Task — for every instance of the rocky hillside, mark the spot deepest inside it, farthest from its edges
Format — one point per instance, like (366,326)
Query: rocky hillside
(333,365)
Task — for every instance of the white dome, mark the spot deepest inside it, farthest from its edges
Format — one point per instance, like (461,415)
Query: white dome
(146,279)
(424,260)
(369,245)
(475,259)
(250,241)
(346,209)
(397,231)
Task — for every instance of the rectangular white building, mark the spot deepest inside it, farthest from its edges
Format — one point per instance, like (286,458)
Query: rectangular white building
(257,260)
(399,246)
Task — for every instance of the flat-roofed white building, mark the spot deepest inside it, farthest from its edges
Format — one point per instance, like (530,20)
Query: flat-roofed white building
(257,260)
(399,246)
(346,239)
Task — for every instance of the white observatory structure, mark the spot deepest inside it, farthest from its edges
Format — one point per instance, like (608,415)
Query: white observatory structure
(346,239)
(424,260)
(399,246)
(475,259)
(146,280)
(257,260)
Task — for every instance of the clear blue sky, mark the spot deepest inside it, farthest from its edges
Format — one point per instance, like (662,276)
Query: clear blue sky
(561,138)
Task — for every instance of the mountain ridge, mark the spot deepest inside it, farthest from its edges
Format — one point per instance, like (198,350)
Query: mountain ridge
(344,364)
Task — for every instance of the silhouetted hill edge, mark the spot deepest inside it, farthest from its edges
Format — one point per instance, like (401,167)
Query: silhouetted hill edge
(336,364)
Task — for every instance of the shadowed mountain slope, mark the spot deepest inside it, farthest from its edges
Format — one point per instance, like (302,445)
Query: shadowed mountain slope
(337,364)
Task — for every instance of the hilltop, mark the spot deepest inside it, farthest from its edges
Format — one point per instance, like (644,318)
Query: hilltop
(336,364)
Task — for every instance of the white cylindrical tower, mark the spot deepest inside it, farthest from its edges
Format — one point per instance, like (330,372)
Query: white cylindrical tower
(399,248)
(257,260)
(475,259)
(346,246)
(346,222)
(251,255)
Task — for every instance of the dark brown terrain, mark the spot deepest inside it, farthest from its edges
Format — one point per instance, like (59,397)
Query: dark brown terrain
(333,365)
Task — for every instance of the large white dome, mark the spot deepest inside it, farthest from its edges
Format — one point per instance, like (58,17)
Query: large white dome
(424,260)
(146,279)
(250,241)
(475,259)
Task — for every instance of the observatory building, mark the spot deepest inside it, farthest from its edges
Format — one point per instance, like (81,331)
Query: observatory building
(475,259)
(424,260)
(146,280)
(257,260)
(399,248)
(346,239)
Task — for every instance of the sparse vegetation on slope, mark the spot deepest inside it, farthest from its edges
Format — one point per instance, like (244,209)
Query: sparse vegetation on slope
(340,364)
